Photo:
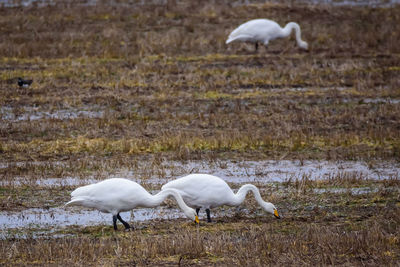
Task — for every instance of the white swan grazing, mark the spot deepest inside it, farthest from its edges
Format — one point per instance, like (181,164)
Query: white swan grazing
(264,31)
(118,194)
(208,191)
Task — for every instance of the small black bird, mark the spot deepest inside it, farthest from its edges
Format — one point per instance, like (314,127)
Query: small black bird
(24,83)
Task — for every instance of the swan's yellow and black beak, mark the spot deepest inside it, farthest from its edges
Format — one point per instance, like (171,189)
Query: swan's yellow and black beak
(196,219)
(276,214)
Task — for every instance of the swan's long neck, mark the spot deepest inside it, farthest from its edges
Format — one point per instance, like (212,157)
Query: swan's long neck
(288,29)
(162,195)
(241,195)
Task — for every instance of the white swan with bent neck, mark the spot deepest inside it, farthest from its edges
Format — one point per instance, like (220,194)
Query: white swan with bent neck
(264,31)
(208,191)
(116,195)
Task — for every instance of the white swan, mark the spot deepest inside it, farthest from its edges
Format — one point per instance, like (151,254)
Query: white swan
(265,30)
(208,191)
(118,194)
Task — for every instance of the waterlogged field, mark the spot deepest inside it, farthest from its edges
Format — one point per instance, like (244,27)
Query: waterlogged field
(149,91)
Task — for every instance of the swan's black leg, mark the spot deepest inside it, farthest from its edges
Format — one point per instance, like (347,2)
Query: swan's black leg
(115,222)
(197,211)
(256,46)
(127,226)
(208,215)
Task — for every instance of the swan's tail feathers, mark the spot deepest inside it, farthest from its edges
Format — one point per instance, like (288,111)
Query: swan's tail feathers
(75,202)
(240,37)
(230,39)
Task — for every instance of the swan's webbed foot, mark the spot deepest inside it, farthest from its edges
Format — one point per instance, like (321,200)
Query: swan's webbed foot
(208,215)
(127,226)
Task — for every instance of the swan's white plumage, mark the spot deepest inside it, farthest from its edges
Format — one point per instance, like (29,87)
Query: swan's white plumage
(208,191)
(202,190)
(264,31)
(111,196)
(118,195)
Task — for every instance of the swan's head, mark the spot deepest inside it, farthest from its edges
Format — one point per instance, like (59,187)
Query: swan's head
(191,214)
(269,207)
(303,45)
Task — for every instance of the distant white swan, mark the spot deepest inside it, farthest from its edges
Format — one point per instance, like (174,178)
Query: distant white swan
(118,194)
(264,31)
(208,191)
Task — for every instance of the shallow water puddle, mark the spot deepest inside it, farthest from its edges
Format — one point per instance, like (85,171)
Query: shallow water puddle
(353,191)
(48,220)
(56,217)
(272,170)
(32,113)
(260,172)
(235,172)
(49,182)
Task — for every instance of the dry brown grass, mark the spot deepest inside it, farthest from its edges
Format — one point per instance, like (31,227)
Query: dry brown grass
(342,227)
(157,82)
(329,228)
(187,28)
(165,83)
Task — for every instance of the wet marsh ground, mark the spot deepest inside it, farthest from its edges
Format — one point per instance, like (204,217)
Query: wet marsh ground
(151,92)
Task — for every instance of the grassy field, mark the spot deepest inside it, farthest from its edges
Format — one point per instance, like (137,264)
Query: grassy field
(117,86)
